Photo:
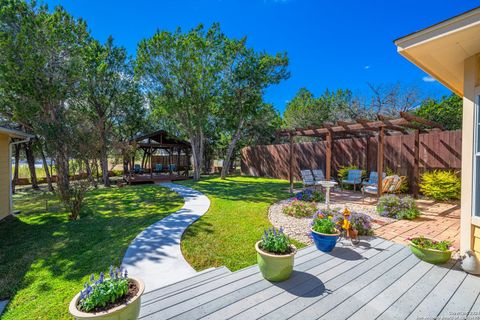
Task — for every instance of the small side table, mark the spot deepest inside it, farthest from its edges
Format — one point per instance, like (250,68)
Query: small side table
(327,185)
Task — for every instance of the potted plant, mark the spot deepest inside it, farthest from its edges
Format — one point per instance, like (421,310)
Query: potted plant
(431,250)
(324,231)
(275,255)
(116,297)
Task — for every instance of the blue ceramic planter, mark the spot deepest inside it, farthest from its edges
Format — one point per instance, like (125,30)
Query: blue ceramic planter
(325,242)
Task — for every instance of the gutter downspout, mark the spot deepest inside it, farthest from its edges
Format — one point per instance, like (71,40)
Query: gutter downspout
(10,210)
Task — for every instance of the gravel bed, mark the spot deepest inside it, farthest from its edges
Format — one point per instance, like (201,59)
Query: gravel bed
(298,228)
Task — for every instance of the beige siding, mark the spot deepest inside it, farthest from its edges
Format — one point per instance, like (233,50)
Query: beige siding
(4,176)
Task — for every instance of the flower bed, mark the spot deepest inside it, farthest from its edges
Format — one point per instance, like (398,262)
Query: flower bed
(398,208)
(298,228)
(300,209)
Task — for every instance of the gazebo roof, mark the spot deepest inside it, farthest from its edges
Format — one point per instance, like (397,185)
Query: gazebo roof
(160,139)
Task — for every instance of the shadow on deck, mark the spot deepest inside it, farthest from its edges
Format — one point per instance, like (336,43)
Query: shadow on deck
(379,279)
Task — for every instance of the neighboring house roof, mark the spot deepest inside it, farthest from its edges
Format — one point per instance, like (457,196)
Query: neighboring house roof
(15,133)
(441,49)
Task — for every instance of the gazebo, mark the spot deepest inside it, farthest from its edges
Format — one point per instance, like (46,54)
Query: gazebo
(365,128)
(163,158)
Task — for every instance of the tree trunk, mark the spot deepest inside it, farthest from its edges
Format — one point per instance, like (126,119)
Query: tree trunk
(15,169)
(45,166)
(90,177)
(104,167)
(196,141)
(231,147)
(63,182)
(31,164)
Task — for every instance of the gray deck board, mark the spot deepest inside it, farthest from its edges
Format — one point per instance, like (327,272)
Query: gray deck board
(463,299)
(188,299)
(270,300)
(180,286)
(379,280)
(433,304)
(235,302)
(308,305)
(406,303)
(376,306)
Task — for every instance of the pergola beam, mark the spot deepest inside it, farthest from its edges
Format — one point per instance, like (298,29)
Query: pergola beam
(414,118)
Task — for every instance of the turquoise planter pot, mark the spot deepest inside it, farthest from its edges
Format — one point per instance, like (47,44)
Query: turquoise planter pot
(275,267)
(325,242)
(430,255)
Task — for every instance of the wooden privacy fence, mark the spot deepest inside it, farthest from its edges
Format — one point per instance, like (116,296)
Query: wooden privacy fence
(438,150)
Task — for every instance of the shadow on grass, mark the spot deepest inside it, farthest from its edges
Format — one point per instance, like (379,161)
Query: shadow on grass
(248,189)
(39,251)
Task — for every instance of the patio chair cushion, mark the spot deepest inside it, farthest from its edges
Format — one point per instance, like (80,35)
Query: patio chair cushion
(373,178)
(370,189)
(318,175)
(307,177)
(158,167)
(172,167)
(353,177)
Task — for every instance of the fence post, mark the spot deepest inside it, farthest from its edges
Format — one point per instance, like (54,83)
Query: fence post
(291,164)
(416,163)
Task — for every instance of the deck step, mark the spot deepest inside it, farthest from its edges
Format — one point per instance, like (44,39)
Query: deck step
(177,287)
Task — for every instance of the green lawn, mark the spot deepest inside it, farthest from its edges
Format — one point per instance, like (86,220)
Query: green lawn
(45,259)
(226,234)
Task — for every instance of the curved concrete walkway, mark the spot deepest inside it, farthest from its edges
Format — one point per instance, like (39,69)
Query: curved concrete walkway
(155,255)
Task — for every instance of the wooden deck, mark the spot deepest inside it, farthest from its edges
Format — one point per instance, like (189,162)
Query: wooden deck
(378,279)
(155,178)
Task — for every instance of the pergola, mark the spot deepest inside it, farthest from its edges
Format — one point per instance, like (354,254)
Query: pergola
(161,140)
(365,128)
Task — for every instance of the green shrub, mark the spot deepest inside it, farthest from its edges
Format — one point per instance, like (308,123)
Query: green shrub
(440,185)
(300,209)
(274,241)
(399,208)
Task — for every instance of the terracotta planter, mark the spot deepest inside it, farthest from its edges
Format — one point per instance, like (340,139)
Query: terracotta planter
(127,311)
(325,242)
(352,233)
(275,267)
(430,255)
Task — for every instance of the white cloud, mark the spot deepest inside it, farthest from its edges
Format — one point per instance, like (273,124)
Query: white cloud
(366,67)
(428,79)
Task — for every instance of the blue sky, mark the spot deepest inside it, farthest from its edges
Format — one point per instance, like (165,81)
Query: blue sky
(331,44)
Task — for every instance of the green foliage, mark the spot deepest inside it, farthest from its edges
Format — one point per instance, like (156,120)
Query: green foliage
(310,195)
(44,257)
(425,243)
(306,110)
(274,241)
(100,293)
(440,185)
(447,111)
(399,208)
(300,209)
(238,214)
(182,74)
(324,225)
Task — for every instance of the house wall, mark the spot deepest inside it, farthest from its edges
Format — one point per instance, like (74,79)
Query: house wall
(4,176)
(469,225)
